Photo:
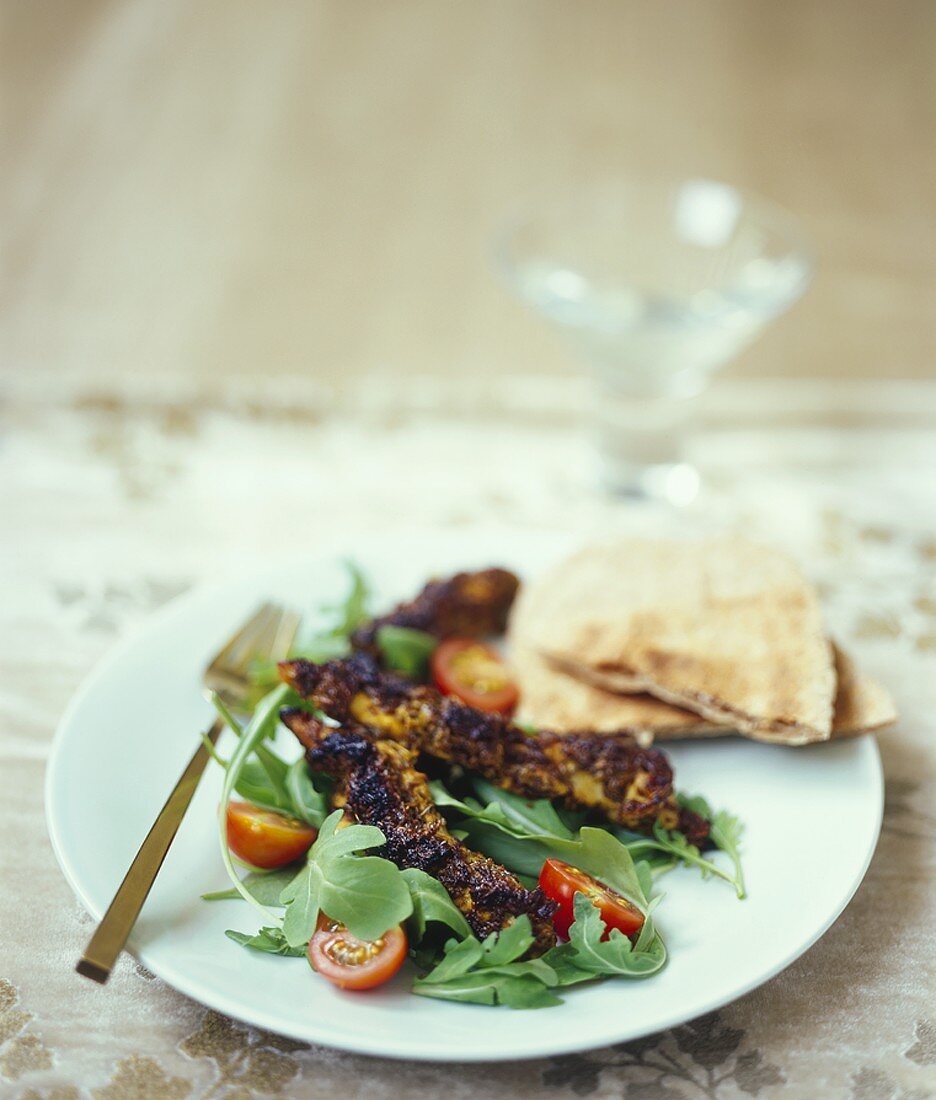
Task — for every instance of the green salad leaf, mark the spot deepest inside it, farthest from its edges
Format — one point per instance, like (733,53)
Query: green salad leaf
(353,611)
(406,650)
(588,955)
(671,847)
(365,893)
(431,903)
(495,971)
(492,972)
(512,814)
(491,987)
(539,816)
(458,958)
(257,730)
(308,793)
(269,782)
(726,831)
(514,831)
(269,939)
(254,783)
(265,886)
(604,857)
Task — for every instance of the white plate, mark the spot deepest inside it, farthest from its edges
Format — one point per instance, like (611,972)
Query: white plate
(127,734)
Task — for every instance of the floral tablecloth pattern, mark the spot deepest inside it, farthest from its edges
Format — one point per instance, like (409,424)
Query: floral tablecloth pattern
(116,498)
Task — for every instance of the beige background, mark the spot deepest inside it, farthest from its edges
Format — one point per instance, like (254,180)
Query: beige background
(312,187)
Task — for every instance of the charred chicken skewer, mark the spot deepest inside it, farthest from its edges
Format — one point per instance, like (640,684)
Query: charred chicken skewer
(467,604)
(377,782)
(631,786)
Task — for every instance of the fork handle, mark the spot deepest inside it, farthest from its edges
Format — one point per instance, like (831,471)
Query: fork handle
(111,934)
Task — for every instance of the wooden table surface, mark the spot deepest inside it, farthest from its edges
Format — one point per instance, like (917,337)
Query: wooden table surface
(312,185)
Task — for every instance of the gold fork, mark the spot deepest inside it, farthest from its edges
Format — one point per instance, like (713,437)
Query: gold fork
(268,634)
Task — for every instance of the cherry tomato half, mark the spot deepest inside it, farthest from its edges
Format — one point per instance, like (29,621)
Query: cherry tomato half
(474,673)
(351,963)
(266,839)
(561,882)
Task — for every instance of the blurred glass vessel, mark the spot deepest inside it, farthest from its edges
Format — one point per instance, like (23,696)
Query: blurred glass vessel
(656,284)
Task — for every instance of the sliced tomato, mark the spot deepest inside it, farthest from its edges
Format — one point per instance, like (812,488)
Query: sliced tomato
(474,673)
(561,882)
(266,839)
(351,963)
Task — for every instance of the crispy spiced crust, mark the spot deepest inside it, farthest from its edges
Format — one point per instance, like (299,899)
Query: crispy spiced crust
(631,786)
(467,604)
(378,783)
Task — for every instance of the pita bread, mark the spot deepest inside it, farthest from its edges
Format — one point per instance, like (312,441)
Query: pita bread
(553,699)
(725,628)
(862,703)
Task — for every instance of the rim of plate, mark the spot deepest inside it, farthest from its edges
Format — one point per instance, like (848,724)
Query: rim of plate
(340,1039)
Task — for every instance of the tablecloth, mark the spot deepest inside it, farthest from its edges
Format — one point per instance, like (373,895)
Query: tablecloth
(119,494)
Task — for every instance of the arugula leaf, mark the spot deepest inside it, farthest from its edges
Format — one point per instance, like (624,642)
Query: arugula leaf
(270,783)
(603,856)
(488,987)
(516,832)
(262,723)
(222,895)
(431,902)
(405,650)
(508,944)
(254,784)
(265,886)
(587,954)
(261,778)
(538,816)
(270,940)
(491,972)
(352,612)
(666,848)
(726,831)
(497,950)
(644,873)
(523,855)
(308,793)
(302,899)
(520,817)
(671,840)
(676,847)
(275,769)
(459,957)
(366,893)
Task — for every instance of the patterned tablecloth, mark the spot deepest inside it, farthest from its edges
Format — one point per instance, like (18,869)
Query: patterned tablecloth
(117,498)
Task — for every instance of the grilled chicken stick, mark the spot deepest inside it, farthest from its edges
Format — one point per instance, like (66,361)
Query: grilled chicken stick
(467,604)
(630,785)
(377,782)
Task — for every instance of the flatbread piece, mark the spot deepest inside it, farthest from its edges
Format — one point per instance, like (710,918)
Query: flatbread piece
(725,628)
(553,699)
